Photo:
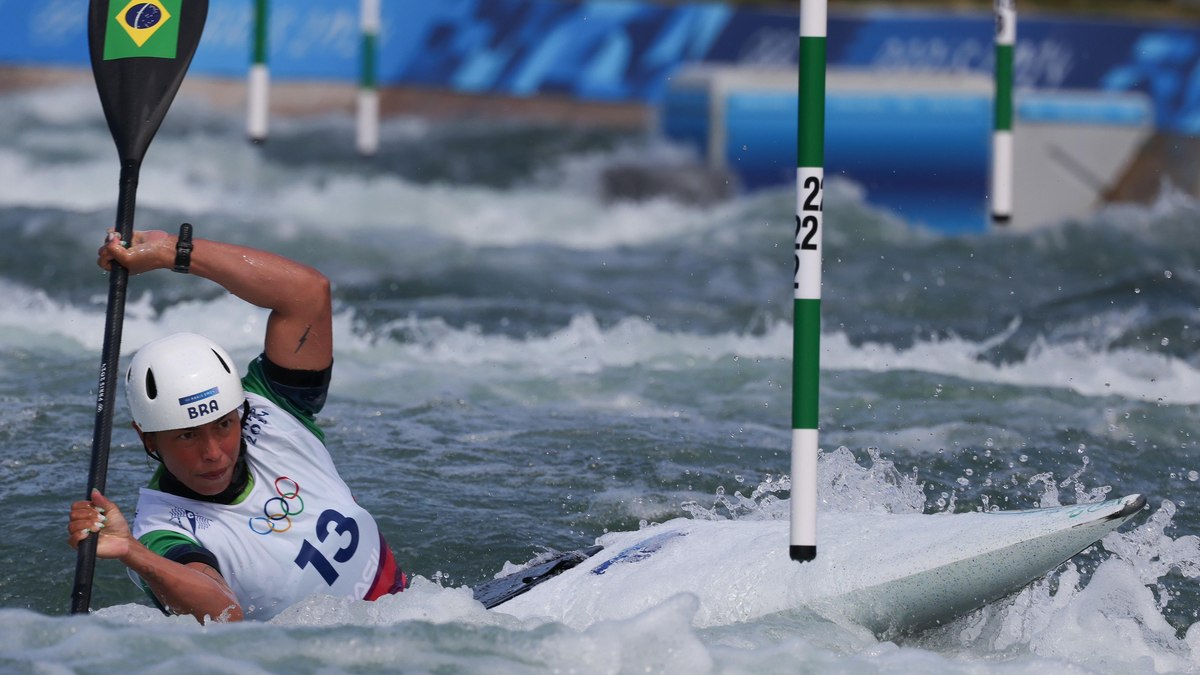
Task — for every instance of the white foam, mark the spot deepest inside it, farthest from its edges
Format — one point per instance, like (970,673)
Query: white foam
(82,186)
(1074,366)
(73,105)
(585,347)
(219,175)
(1113,623)
(482,216)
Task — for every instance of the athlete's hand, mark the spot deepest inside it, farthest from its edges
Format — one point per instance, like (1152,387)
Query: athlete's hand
(99,515)
(149,250)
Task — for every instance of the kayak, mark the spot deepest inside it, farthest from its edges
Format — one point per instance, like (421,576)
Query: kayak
(890,573)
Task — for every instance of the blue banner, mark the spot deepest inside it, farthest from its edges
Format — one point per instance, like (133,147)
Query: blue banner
(52,33)
(614,50)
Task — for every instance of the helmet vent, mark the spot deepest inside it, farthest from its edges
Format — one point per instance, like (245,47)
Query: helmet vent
(222,361)
(151,387)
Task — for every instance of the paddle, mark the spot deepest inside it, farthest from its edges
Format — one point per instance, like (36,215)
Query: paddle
(140,52)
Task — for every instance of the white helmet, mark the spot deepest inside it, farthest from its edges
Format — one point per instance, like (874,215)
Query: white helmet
(180,381)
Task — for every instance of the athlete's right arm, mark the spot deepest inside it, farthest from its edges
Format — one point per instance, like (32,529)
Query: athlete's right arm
(299,333)
(195,588)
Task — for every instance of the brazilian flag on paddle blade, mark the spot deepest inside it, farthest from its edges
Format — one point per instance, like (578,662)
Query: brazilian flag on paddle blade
(142,29)
(140,51)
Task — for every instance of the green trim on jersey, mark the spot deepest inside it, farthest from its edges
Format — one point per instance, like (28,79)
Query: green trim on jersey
(161,541)
(255,382)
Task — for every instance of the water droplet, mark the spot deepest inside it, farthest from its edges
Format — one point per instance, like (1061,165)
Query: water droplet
(1167,274)
(1194,476)
(1024,458)
(1165,341)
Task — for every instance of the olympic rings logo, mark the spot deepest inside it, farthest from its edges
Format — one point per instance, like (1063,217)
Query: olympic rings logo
(278,511)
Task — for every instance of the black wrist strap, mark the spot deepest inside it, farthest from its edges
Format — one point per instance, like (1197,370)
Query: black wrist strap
(183,249)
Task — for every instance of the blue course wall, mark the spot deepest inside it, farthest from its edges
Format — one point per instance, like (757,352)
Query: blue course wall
(613,50)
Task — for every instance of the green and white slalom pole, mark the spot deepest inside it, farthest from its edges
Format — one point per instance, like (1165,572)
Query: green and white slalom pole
(259,83)
(810,196)
(1002,133)
(367,136)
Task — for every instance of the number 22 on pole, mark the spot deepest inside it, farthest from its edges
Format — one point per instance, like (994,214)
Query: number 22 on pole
(808,225)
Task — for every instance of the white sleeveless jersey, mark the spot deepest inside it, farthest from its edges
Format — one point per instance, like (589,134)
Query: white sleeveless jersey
(296,534)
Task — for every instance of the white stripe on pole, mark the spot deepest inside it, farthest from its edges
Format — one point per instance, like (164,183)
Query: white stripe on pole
(367,138)
(1002,176)
(1006,22)
(805,449)
(259,102)
(810,197)
(813,18)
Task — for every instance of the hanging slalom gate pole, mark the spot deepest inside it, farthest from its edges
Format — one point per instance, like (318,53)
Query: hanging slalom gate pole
(367,137)
(810,198)
(1002,134)
(259,83)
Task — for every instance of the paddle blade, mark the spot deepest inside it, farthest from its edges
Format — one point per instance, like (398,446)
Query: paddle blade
(140,53)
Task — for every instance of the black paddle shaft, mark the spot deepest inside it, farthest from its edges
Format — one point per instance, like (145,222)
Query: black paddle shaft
(106,389)
(140,53)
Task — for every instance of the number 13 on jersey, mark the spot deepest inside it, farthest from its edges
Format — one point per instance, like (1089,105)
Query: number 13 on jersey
(810,196)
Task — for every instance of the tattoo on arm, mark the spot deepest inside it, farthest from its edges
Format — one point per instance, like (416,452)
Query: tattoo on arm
(303,339)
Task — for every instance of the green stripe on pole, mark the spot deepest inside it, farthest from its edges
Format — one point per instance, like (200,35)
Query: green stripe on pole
(368,75)
(806,364)
(1004,88)
(260,31)
(810,148)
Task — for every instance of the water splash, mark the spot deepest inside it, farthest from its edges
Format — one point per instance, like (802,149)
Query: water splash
(1112,621)
(1083,493)
(843,485)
